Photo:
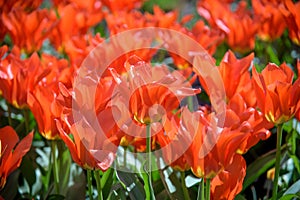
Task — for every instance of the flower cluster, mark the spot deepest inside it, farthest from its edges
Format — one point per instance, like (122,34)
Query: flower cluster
(147,100)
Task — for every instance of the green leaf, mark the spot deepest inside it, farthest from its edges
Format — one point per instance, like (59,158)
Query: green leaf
(64,169)
(258,167)
(295,188)
(240,197)
(132,184)
(288,126)
(290,196)
(106,182)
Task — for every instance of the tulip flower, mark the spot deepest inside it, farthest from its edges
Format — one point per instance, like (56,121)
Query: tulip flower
(40,100)
(228,183)
(30,37)
(220,15)
(30,5)
(127,5)
(267,15)
(11,152)
(17,76)
(73,20)
(152,94)
(278,97)
(292,18)
(90,149)
(236,77)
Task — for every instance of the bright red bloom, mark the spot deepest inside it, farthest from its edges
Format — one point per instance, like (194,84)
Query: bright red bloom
(78,47)
(151,93)
(227,184)
(219,15)
(90,149)
(121,21)
(278,98)
(11,152)
(75,18)
(7,6)
(267,15)
(127,5)
(18,77)
(208,37)
(31,36)
(254,124)
(236,76)
(298,69)
(211,151)
(39,99)
(292,17)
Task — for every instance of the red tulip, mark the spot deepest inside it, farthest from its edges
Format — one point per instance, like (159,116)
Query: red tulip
(268,16)
(19,5)
(17,76)
(127,5)
(219,15)
(278,98)
(292,17)
(91,149)
(74,20)
(227,184)
(31,36)
(236,77)
(11,151)
(151,94)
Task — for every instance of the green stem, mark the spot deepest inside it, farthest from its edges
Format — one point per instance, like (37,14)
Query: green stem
(184,188)
(55,167)
(202,189)
(148,151)
(98,182)
(90,186)
(277,163)
(200,195)
(190,103)
(207,189)
(9,114)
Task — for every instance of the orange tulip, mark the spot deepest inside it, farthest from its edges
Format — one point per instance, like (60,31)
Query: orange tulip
(219,15)
(39,99)
(292,17)
(243,128)
(298,69)
(30,37)
(208,37)
(151,93)
(90,149)
(207,163)
(17,76)
(7,6)
(227,184)
(236,76)
(127,5)
(278,98)
(11,151)
(74,20)
(78,47)
(252,121)
(268,16)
